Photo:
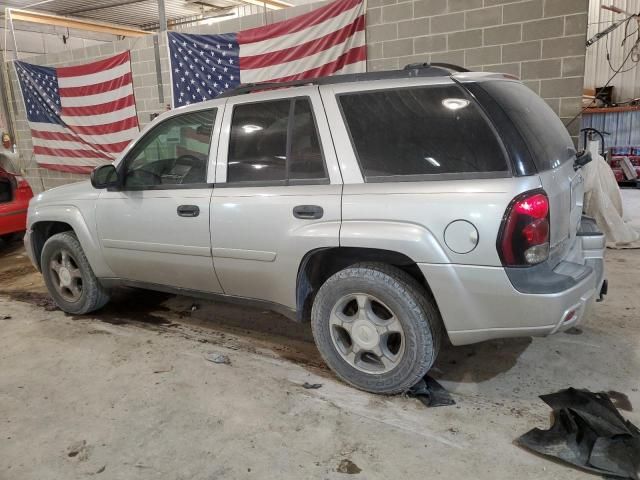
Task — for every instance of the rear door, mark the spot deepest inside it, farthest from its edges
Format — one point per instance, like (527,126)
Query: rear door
(277,193)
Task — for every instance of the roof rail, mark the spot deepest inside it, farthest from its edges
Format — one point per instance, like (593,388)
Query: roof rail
(411,70)
(449,66)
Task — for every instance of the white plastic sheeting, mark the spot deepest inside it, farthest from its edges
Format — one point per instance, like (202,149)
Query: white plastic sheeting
(602,201)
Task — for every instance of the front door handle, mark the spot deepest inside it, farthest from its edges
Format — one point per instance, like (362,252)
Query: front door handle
(308,212)
(188,210)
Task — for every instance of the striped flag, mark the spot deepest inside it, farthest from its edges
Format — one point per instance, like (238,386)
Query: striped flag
(80,116)
(325,41)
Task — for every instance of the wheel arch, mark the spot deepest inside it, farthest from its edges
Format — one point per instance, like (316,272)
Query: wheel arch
(320,264)
(48,221)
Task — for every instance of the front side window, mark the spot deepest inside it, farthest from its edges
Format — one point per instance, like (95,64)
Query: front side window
(276,142)
(176,152)
(420,131)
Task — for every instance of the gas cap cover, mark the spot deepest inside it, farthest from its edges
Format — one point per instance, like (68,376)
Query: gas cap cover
(461,236)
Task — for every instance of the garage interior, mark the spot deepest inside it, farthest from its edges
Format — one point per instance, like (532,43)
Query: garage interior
(159,385)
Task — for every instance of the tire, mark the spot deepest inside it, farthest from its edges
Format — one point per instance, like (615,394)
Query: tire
(84,293)
(397,293)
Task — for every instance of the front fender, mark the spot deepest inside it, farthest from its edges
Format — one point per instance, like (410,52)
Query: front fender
(84,228)
(412,240)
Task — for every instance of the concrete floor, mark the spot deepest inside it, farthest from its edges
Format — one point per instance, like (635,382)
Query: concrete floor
(128,394)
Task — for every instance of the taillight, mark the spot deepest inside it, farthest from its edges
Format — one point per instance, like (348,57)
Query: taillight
(524,234)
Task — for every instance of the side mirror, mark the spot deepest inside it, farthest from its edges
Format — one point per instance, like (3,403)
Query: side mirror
(582,159)
(104,176)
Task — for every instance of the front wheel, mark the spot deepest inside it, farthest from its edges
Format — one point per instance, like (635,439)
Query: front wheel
(376,328)
(68,275)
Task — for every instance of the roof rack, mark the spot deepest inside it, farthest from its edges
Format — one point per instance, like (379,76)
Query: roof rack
(449,66)
(409,71)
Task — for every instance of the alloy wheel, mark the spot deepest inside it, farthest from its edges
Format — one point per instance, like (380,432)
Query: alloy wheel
(66,276)
(366,333)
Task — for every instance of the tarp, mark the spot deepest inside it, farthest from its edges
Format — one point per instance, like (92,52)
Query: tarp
(602,201)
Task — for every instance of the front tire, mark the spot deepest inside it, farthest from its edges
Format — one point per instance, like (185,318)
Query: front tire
(68,275)
(376,328)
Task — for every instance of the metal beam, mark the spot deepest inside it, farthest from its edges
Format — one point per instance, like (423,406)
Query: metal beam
(162,16)
(102,7)
(13,33)
(270,4)
(187,20)
(75,23)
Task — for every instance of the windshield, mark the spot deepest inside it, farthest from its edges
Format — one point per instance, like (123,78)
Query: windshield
(545,134)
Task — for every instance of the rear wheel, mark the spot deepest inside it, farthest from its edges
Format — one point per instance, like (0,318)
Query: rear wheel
(68,275)
(376,328)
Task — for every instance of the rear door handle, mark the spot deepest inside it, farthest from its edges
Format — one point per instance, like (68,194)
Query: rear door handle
(308,212)
(188,210)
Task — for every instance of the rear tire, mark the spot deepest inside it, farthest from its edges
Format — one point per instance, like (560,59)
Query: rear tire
(376,328)
(68,275)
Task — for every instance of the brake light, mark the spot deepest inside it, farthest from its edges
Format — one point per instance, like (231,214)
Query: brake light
(524,235)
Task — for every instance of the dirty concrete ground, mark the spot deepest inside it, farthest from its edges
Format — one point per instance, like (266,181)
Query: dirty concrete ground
(128,394)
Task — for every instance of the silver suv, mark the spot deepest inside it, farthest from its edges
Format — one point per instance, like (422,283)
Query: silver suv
(388,209)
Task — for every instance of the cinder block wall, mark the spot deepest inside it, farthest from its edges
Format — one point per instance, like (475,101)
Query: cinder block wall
(540,41)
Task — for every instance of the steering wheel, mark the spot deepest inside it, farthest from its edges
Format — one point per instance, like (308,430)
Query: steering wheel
(187,159)
(143,178)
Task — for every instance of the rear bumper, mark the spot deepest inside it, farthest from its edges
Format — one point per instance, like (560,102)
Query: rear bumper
(480,303)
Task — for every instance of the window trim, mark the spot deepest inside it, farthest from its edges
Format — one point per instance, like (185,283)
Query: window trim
(430,176)
(286,181)
(123,165)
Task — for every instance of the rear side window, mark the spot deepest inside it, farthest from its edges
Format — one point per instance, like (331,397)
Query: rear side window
(544,133)
(413,132)
(276,142)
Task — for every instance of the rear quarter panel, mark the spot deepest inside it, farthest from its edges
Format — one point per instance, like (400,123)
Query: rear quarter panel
(421,211)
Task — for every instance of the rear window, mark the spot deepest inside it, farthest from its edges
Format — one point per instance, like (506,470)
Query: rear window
(413,132)
(544,133)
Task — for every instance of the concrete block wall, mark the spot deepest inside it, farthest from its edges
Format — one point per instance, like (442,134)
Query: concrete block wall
(540,41)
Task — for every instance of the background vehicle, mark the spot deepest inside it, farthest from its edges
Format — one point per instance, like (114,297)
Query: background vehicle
(384,208)
(15,194)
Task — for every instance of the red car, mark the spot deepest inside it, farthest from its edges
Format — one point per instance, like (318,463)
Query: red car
(15,194)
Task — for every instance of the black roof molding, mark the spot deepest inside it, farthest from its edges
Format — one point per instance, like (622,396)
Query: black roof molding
(409,71)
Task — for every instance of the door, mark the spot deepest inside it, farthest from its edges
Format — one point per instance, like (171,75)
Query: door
(154,227)
(277,193)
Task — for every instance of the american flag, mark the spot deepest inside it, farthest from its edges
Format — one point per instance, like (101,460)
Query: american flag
(325,41)
(80,116)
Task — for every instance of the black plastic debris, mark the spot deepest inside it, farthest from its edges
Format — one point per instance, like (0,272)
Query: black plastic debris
(588,432)
(311,386)
(431,393)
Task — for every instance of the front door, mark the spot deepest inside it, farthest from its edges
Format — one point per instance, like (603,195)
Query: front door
(277,193)
(154,228)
